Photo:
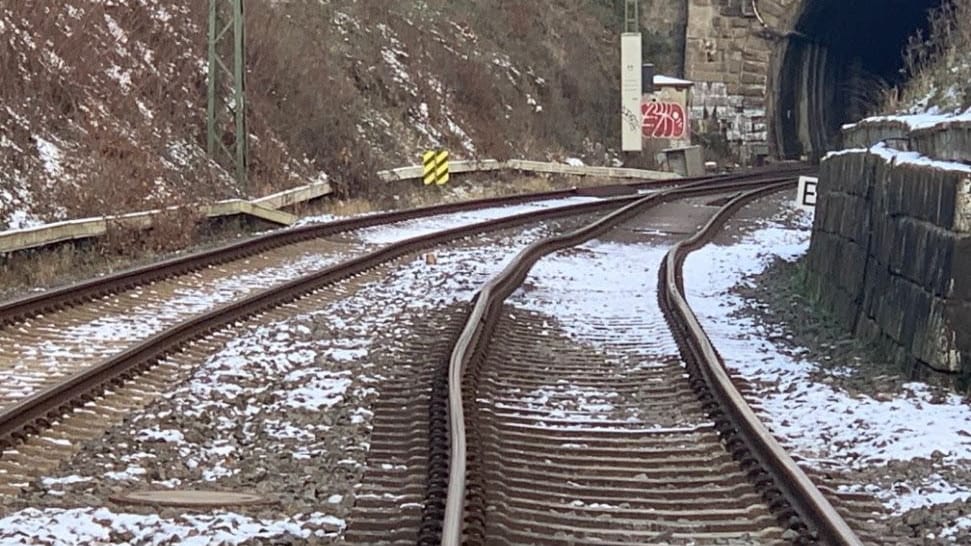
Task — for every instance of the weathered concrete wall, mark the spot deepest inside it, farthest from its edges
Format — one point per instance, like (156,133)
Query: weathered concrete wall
(891,254)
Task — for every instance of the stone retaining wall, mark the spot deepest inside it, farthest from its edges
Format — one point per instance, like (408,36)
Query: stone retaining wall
(946,140)
(891,254)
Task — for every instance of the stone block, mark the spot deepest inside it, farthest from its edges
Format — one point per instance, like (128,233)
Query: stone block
(928,194)
(850,268)
(754,104)
(752,90)
(916,309)
(820,249)
(949,141)
(923,253)
(942,249)
(893,308)
(854,222)
(959,283)
(757,67)
(877,284)
(867,330)
(955,204)
(829,210)
(754,78)
(962,206)
(944,346)
(891,256)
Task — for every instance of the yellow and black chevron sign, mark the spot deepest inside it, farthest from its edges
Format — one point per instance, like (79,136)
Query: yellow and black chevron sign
(436,167)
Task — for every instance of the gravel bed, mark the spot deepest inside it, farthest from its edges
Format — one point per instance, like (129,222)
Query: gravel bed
(283,409)
(837,404)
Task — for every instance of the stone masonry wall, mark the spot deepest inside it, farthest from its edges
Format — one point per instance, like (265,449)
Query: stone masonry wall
(729,53)
(891,254)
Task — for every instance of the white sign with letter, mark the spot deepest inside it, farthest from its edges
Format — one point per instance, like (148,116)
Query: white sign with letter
(806,197)
(631,90)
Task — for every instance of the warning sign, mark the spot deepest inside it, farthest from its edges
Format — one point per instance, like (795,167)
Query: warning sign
(435,164)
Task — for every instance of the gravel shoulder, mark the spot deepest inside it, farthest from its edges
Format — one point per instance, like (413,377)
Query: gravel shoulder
(841,407)
(279,406)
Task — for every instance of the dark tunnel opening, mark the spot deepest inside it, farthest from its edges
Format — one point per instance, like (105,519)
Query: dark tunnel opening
(842,55)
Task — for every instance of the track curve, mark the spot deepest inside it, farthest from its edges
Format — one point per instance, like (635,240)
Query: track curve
(512,480)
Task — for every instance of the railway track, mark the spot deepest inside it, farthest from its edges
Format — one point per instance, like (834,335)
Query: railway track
(55,397)
(611,440)
(390,513)
(48,336)
(20,309)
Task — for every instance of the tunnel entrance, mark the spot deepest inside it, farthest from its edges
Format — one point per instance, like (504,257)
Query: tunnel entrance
(840,57)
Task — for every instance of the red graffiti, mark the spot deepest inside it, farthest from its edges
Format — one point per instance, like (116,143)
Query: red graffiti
(663,120)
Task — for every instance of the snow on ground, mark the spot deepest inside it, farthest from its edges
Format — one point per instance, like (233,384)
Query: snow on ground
(102,335)
(274,387)
(379,235)
(589,288)
(602,294)
(819,422)
(102,526)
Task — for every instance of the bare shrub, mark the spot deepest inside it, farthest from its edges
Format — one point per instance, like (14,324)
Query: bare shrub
(305,93)
(937,64)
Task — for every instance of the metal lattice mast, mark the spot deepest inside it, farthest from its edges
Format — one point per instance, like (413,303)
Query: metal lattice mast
(632,21)
(226,138)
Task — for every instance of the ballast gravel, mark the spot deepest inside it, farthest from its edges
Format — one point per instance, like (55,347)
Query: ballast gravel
(836,404)
(282,409)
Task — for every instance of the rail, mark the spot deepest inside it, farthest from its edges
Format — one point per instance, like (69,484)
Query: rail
(268,208)
(43,407)
(485,311)
(813,508)
(34,304)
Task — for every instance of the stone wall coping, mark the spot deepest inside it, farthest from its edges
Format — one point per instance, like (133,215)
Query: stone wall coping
(902,157)
(913,122)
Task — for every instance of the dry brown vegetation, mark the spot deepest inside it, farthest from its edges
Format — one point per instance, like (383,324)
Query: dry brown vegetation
(938,64)
(117,91)
(102,105)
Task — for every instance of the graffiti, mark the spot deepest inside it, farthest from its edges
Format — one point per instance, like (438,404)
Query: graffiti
(630,118)
(663,120)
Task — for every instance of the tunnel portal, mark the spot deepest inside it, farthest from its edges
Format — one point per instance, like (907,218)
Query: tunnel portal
(839,57)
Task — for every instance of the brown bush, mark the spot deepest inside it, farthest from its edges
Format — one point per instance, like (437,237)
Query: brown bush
(937,64)
(305,94)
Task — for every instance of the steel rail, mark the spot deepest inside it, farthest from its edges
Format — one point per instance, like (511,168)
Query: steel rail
(35,304)
(807,500)
(487,305)
(42,408)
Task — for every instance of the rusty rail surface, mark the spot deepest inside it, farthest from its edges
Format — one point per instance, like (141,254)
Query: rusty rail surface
(40,409)
(34,304)
(749,433)
(808,502)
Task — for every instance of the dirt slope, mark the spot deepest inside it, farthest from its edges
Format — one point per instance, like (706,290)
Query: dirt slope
(102,102)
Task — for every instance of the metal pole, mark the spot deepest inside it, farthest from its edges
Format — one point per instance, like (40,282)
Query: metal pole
(213,81)
(239,77)
(226,109)
(632,20)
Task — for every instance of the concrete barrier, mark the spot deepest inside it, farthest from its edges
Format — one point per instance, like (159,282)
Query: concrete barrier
(267,208)
(264,208)
(415,172)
